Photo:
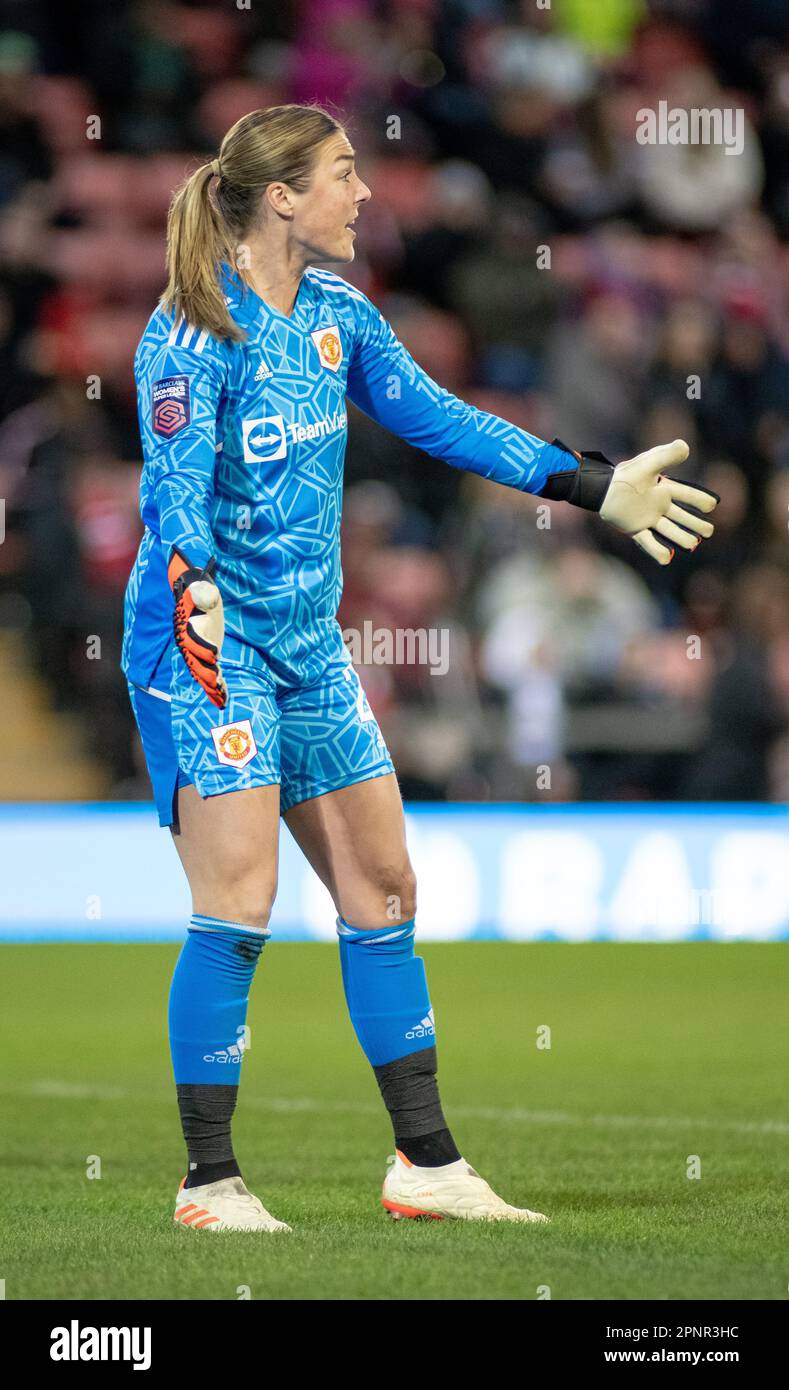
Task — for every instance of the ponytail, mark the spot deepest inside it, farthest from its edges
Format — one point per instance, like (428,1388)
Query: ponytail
(198,242)
(205,226)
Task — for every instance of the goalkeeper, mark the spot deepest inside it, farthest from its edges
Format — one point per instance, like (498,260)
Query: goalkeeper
(246,700)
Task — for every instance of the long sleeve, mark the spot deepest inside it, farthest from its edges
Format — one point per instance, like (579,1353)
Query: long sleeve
(388,385)
(179,394)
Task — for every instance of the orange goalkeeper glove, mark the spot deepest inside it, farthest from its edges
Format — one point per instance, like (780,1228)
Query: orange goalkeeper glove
(199,623)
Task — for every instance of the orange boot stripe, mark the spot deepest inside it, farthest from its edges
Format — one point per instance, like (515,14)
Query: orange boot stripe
(410,1211)
(206,1221)
(193,1216)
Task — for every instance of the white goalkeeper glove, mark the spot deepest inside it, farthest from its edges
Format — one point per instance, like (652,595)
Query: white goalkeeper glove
(638,499)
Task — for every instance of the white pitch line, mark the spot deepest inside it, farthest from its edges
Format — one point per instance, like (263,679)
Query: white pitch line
(51,1089)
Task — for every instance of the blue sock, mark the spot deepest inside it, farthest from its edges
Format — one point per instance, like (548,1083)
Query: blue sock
(209,998)
(386,989)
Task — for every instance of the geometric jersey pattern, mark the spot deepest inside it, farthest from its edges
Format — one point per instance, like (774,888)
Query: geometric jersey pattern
(312,738)
(244,445)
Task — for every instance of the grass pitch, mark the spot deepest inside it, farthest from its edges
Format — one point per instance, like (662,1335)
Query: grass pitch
(659,1055)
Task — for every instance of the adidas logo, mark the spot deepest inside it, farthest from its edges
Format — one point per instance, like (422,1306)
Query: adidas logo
(263,372)
(231,1053)
(424,1029)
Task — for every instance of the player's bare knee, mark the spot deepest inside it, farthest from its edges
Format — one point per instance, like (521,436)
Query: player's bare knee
(254,910)
(247,901)
(399,889)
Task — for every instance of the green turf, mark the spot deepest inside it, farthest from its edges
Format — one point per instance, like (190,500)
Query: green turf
(658,1053)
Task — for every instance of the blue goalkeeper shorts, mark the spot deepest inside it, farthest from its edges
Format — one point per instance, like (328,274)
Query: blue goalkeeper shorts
(310,739)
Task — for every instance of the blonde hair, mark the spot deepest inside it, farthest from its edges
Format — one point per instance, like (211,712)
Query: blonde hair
(278,144)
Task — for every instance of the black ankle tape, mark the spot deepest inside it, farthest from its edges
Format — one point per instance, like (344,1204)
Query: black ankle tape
(206,1113)
(201,1173)
(430,1150)
(410,1092)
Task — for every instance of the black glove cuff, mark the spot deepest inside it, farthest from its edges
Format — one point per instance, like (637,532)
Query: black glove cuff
(189,575)
(584,486)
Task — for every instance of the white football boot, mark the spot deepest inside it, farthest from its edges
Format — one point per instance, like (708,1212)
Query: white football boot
(227,1205)
(454,1190)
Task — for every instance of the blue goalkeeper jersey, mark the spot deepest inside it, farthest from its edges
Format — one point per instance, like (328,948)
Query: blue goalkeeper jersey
(243,447)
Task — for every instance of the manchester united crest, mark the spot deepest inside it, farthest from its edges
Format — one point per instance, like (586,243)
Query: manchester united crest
(234,743)
(329,345)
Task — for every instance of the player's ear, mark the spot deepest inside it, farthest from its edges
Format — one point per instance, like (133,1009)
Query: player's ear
(280,199)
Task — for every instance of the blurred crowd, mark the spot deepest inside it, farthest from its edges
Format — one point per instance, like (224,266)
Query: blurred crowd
(536,260)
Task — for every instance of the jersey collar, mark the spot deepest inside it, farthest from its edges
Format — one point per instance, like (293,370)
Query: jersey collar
(246,306)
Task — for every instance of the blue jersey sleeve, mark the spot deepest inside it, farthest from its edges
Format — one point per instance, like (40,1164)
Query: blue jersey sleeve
(388,385)
(180,385)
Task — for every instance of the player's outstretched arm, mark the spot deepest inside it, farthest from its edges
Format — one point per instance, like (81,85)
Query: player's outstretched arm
(388,385)
(637,498)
